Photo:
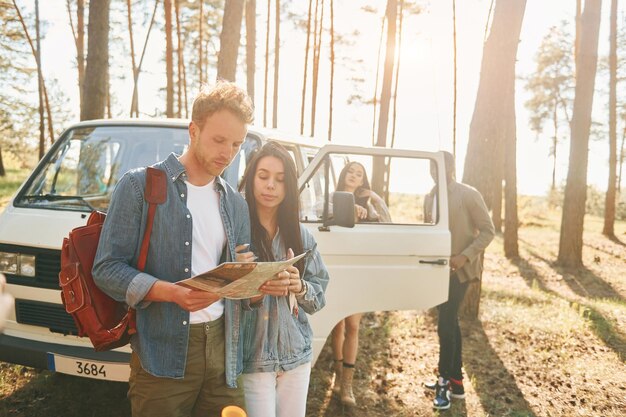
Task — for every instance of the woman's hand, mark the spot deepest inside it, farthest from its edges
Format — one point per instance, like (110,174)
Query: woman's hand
(242,255)
(295,283)
(360,212)
(278,285)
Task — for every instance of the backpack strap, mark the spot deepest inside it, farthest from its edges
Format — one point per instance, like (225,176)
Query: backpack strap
(155,194)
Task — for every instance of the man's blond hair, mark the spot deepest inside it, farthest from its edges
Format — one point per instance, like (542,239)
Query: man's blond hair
(222,96)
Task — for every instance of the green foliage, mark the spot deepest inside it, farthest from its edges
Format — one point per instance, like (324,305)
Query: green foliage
(552,84)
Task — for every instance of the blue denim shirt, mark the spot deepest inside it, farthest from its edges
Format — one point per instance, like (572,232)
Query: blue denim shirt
(163,328)
(273,338)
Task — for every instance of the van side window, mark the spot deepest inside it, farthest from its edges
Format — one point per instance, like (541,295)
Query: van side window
(388,190)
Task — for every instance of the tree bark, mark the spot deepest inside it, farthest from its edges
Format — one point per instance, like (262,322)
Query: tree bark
(250,46)
(179,61)
(332,70)
(201,43)
(42,134)
(306,65)
(276,66)
(169,60)
(375,98)
(267,60)
(491,143)
(78,33)
(230,38)
(511,223)
(484,161)
(571,239)
(378,169)
(94,93)
(609,202)
(317,44)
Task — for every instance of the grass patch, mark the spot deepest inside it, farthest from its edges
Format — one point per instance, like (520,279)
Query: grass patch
(10,183)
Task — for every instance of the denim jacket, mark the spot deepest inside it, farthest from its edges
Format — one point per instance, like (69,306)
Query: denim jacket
(163,328)
(273,338)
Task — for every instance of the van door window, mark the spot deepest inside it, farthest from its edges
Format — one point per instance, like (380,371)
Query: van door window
(398,191)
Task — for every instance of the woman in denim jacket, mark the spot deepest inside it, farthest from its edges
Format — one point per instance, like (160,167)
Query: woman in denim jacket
(277,336)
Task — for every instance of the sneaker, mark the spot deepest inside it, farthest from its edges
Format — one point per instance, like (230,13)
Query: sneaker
(456,388)
(442,395)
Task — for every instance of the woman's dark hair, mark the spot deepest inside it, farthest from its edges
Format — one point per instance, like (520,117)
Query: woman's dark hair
(341,184)
(288,211)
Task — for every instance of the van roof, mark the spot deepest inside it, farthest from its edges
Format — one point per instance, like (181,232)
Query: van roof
(263,132)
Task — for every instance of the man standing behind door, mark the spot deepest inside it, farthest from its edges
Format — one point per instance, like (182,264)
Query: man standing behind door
(471,230)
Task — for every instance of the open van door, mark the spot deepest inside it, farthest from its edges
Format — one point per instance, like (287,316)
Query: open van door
(397,261)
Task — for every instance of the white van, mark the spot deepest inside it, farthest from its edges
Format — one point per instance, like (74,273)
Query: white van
(397,265)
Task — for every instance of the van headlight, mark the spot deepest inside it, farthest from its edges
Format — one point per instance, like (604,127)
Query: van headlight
(17,264)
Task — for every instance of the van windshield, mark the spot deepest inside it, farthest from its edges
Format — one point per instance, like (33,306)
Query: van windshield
(81,173)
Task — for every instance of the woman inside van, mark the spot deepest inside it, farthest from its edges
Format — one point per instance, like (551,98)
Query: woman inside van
(277,336)
(369,207)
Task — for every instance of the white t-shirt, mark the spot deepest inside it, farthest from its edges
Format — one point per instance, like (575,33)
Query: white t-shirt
(209,238)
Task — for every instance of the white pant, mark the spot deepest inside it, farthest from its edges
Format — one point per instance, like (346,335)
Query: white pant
(277,394)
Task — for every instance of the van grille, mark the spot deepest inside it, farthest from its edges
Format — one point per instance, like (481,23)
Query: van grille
(48,266)
(52,316)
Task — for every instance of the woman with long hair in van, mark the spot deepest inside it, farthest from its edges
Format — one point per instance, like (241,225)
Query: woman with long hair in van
(369,207)
(277,349)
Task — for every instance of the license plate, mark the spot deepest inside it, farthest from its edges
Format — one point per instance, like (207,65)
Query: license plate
(110,371)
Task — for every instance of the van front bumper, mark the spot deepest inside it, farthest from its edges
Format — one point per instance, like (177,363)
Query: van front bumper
(73,360)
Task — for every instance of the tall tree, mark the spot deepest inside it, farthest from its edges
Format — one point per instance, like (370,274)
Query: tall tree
(378,180)
(201,43)
(250,46)
(44,103)
(267,60)
(94,92)
(179,62)
(609,202)
(229,40)
(169,60)
(484,161)
(276,65)
(551,87)
(78,33)
(571,239)
(306,64)
(317,46)
(492,131)
(332,69)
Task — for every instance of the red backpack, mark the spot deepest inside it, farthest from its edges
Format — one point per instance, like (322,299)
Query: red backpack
(108,323)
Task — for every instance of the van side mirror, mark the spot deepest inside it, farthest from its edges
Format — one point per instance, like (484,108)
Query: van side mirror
(343,210)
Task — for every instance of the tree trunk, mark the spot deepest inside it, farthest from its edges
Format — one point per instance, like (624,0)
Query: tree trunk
(555,142)
(250,46)
(577,36)
(169,60)
(571,239)
(609,202)
(276,66)
(484,161)
(332,70)
(201,43)
(317,44)
(94,93)
(378,169)
(79,41)
(454,82)
(134,105)
(2,170)
(511,247)
(267,60)
(230,38)
(306,64)
(492,131)
(375,98)
(621,161)
(42,134)
(134,109)
(179,61)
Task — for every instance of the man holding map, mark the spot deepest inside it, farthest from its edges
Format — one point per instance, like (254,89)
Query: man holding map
(186,355)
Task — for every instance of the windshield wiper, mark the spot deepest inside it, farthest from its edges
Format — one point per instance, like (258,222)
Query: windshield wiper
(58,197)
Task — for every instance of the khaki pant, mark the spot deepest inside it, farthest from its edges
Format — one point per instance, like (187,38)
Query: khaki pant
(201,393)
